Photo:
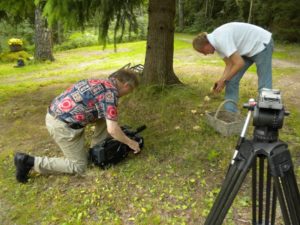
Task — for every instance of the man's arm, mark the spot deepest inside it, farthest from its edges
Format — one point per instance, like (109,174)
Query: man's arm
(116,132)
(233,64)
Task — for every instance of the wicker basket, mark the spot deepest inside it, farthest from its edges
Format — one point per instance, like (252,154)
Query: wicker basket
(224,122)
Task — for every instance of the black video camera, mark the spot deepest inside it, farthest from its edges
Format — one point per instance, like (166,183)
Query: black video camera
(111,151)
(268,115)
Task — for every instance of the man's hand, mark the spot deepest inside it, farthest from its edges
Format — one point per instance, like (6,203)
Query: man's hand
(233,64)
(134,146)
(219,85)
(116,132)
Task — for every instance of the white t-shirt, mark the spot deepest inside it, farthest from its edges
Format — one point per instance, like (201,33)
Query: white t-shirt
(246,39)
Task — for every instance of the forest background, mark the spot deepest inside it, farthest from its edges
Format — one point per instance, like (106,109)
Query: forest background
(192,16)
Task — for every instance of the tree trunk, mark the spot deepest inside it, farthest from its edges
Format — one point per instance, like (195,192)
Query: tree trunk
(212,4)
(181,14)
(250,11)
(206,9)
(43,37)
(60,33)
(158,68)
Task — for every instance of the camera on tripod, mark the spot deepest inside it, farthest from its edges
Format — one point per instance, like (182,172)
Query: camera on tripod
(268,115)
(280,180)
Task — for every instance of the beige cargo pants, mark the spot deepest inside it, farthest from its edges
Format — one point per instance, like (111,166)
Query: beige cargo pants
(72,143)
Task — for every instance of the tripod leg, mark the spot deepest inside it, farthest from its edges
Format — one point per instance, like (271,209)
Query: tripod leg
(228,184)
(274,198)
(293,190)
(254,192)
(267,214)
(282,201)
(285,183)
(268,197)
(261,190)
(231,196)
(233,181)
(292,198)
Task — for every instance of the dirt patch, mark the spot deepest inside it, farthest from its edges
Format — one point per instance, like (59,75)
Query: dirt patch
(290,87)
(277,63)
(23,119)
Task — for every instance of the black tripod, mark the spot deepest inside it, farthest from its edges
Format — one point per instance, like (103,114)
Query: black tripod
(264,145)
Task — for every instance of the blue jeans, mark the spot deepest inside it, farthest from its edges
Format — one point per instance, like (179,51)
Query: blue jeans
(263,61)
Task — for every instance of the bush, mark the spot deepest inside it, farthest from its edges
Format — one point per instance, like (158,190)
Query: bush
(24,30)
(77,40)
(14,56)
(89,38)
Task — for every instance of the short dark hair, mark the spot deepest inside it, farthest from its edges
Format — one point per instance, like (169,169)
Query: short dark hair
(200,41)
(127,76)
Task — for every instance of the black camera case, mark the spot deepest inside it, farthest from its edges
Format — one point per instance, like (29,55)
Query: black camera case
(111,151)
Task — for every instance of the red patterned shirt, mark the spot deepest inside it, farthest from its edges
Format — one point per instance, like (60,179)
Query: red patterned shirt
(86,101)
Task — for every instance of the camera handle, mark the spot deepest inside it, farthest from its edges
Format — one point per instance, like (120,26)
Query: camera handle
(250,106)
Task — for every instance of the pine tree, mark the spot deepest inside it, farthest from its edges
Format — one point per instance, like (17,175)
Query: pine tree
(159,55)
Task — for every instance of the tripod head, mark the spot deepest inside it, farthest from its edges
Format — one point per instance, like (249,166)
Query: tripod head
(268,115)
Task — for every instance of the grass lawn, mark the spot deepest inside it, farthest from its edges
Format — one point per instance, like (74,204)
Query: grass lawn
(176,177)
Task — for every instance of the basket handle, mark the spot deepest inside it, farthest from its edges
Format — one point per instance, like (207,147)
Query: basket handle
(221,105)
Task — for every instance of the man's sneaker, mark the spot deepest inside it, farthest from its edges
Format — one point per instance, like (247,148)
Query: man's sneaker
(23,163)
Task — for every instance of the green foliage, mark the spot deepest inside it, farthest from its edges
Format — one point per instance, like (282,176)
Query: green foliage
(102,12)
(286,25)
(14,56)
(16,18)
(18,10)
(207,15)
(78,39)
(22,30)
(200,23)
(213,155)
(280,17)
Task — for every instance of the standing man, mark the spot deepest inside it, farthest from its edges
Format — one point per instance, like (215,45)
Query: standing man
(87,101)
(239,45)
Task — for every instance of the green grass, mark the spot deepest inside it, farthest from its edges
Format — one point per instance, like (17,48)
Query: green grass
(287,52)
(173,181)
